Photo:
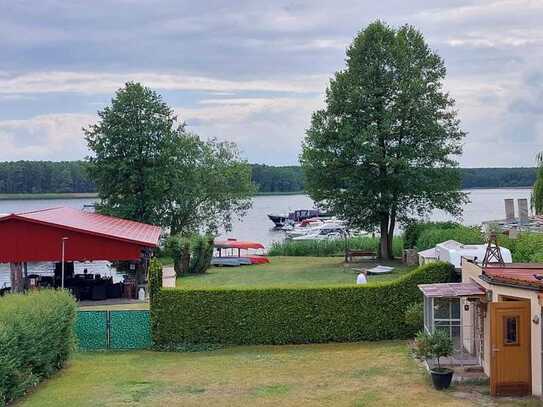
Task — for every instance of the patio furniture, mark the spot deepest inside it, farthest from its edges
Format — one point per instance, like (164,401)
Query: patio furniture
(350,254)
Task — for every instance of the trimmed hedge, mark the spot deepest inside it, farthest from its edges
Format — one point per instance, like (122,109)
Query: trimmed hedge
(325,248)
(36,338)
(298,315)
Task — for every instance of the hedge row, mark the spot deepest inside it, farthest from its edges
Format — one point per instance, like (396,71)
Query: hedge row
(36,338)
(301,315)
(325,248)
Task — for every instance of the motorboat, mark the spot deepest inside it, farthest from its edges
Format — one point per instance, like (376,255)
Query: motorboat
(229,253)
(313,228)
(324,233)
(281,220)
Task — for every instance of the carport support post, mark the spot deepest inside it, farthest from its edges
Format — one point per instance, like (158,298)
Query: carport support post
(17,281)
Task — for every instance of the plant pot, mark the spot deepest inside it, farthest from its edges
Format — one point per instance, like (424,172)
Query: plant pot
(441,378)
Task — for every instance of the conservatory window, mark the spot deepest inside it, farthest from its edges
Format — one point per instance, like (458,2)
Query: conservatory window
(446,315)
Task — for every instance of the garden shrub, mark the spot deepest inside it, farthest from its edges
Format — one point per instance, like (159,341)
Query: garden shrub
(36,338)
(155,284)
(325,248)
(462,234)
(414,315)
(292,315)
(413,230)
(190,254)
(526,248)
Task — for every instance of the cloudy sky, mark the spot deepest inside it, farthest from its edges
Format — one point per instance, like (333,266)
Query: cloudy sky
(253,71)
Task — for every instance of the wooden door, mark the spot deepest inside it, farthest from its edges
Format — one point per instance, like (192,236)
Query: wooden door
(510,364)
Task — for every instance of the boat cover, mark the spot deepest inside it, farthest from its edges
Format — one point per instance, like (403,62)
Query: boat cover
(237,244)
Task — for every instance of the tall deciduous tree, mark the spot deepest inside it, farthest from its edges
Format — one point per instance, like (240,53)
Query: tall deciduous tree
(537,193)
(382,150)
(149,168)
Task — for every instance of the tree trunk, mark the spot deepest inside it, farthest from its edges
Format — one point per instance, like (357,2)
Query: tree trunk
(384,246)
(17,281)
(391,226)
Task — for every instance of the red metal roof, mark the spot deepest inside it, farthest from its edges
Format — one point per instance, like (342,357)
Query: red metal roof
(94,223)
(449,290)
(522,274)
(38,236)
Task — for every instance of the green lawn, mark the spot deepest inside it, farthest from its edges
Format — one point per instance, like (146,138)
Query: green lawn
(287,272)
(359,374)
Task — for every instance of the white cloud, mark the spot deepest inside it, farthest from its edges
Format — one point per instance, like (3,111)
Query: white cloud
(98,82)
(266,129)
(45,137)
(483,9)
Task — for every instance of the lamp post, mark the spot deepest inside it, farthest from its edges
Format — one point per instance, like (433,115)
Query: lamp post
(62,265)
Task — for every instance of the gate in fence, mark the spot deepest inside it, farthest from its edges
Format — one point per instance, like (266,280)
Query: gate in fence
(97,330)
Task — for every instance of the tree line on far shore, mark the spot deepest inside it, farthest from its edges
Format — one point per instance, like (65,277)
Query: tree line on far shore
(26,177)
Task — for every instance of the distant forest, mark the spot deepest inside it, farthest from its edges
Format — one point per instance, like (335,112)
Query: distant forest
(71,176)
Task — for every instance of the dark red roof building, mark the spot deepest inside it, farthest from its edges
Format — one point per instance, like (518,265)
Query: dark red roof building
(37,236)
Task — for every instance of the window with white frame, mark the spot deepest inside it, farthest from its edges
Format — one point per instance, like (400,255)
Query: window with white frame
(443,314)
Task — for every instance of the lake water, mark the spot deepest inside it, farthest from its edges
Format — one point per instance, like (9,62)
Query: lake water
(486,204)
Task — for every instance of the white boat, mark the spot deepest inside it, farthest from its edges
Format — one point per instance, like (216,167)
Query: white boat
(331,232)
(315,227)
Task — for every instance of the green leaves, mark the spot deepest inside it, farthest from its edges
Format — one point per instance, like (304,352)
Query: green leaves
(149,168)
(291,315)
(36,338)
(436,345)
(383,148)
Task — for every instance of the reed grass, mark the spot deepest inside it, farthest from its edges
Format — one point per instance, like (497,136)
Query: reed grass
(327,248)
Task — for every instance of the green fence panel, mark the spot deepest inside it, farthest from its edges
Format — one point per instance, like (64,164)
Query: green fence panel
(130,330)
(91,330)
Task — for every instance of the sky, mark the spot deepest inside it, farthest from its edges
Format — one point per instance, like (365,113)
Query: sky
(252,72)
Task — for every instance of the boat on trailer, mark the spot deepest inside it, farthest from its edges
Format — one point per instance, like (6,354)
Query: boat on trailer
(229,253)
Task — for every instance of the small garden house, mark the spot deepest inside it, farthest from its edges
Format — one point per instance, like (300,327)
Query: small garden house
(494,318)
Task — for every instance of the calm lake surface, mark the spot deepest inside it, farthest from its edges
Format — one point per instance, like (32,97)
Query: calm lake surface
(486,204)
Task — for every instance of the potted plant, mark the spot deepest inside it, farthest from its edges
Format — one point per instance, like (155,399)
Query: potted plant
(435,346)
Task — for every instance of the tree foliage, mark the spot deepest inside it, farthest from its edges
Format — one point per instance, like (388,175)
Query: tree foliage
(148,167)
(27,177)
(34,177)
(383,148)
(537,193)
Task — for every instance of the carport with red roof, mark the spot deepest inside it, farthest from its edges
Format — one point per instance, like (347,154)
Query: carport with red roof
(38,236)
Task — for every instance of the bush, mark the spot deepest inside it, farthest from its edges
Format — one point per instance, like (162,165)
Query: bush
(413,230)
(436,345)
(526,248)
(190,254)
(325,248)
(462,234)
(36,338)
(414,315)
(292,315)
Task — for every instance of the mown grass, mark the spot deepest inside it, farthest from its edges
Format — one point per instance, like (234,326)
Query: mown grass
(326,248)
(288,272)
(359,374)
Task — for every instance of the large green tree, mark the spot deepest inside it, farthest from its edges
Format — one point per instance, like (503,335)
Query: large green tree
(382,150)
(148,167)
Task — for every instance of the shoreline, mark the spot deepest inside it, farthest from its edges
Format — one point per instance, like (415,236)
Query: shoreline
(52,195)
